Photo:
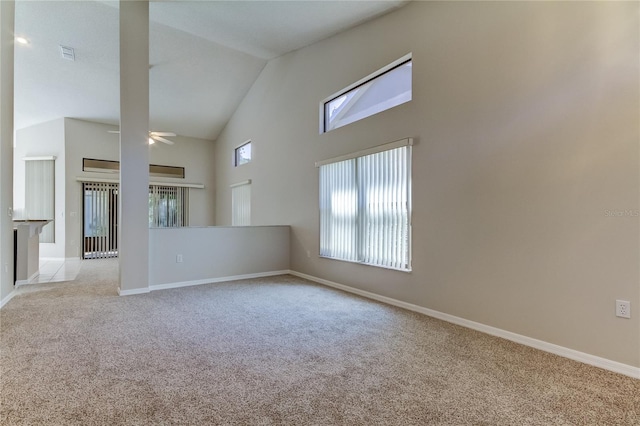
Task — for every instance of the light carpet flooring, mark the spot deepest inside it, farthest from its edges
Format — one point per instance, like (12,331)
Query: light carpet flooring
(273,351)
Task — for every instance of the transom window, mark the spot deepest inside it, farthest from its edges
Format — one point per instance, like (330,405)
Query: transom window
(365,207)
(384,89)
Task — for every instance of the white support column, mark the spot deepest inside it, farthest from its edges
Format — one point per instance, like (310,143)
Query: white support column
(7,19)
(133,239)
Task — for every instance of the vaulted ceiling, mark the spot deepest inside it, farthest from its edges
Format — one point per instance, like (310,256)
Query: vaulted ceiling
(204,56)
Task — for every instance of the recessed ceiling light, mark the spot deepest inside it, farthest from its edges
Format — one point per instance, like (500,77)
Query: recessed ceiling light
(22,40)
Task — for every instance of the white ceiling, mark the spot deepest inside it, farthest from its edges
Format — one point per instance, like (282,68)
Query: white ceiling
(204,56)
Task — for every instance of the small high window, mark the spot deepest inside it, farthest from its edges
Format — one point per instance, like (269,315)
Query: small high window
(382,90)
(242,154)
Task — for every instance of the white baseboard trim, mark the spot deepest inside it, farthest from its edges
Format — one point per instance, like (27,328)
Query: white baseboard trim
(607,364)
(7,298)
(216,280)
(133,291)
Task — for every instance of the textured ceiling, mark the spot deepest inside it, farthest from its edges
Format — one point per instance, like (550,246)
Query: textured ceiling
(204,56)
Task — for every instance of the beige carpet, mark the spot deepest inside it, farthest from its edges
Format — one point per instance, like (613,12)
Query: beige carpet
(276,351)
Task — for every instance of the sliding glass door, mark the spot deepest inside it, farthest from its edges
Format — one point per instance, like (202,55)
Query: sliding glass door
(168,208)
(100,220)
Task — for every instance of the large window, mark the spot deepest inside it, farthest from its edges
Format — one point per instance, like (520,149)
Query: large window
(365,207)
(168,206)
(40,193)
(241,204)
(384,89)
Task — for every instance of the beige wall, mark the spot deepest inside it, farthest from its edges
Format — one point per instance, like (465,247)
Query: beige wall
(211,254)
(526,122)
(83,139)
(71,140)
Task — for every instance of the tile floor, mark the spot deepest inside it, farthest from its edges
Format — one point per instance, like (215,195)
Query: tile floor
(57,270)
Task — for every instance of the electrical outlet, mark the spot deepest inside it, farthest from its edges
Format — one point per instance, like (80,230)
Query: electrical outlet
(623,308)
(178,258)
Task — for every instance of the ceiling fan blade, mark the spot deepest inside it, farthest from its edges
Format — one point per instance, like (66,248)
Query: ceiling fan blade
(157,136)
(161,139)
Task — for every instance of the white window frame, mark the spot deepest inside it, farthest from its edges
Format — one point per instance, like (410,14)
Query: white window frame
(236,163)
(322,117)
(360,252)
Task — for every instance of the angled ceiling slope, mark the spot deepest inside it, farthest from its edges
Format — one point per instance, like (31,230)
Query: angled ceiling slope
(204,56)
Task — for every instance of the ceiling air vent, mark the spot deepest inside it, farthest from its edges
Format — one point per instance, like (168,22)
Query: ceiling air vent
(67,53)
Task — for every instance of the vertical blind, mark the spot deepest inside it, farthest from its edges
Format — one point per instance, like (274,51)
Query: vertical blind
(339,211)
(100,218)
(365,209)
(241,204)
(40,195)
(168,206)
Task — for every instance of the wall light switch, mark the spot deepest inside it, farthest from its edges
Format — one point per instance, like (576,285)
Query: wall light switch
(179,258)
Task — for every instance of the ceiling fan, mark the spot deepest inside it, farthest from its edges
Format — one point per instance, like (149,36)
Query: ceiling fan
(154,136)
